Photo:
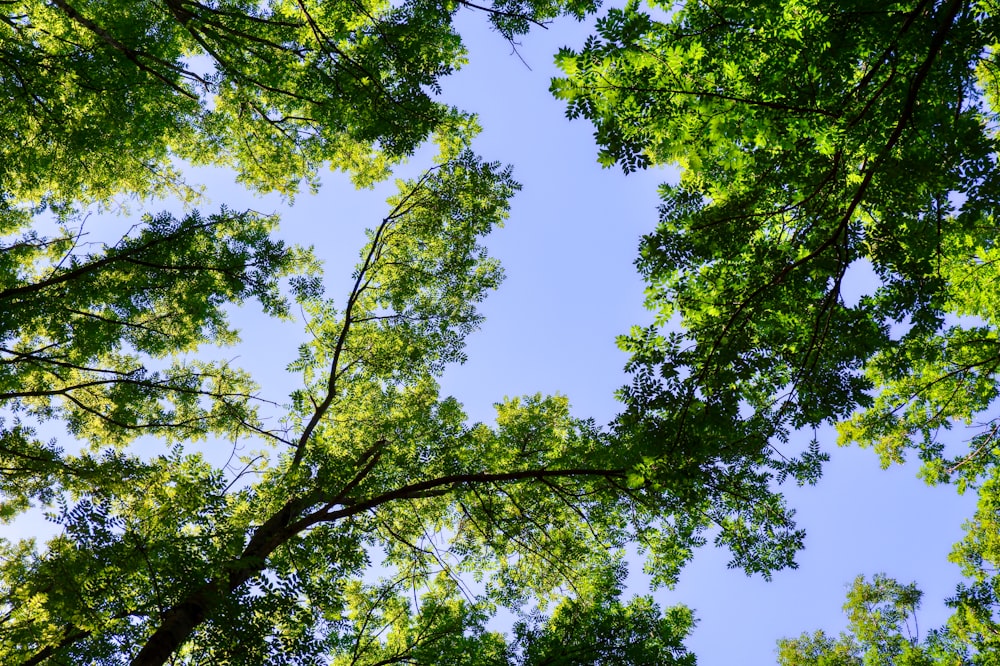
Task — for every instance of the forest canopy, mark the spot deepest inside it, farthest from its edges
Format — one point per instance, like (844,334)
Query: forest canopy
(811,138)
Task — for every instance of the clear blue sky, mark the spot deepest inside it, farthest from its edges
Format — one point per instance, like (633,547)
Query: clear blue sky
(571,288)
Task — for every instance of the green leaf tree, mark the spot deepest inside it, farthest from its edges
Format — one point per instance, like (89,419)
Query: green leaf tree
(596,628)
(813,140)
(813,137)
(273,90)
(882,630)
(162,557)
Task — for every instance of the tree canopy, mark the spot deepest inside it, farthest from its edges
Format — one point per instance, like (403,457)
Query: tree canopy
(812,139)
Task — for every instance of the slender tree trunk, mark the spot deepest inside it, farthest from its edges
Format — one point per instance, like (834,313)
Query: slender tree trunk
(180,621)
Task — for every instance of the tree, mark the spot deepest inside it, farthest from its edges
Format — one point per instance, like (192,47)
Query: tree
(160,556)
(882,630)
(273,90)
(596,628)
(854,136)
(814,139)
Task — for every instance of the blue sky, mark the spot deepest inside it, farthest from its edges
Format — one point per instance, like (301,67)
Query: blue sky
(571,288)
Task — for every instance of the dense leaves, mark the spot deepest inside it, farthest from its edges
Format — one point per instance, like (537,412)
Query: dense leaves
(94,339)
(598,629)
(814,140)
(164,557)
(376,524)
(161,556)
(882,630)
(825,149)
(100,98)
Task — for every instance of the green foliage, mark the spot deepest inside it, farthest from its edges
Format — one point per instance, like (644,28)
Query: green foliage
(164,558)
(814,140)
(95,339)
(791,175)
(976,602)
(161,557)
(597,628)
(882,631)
(100,97)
